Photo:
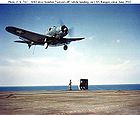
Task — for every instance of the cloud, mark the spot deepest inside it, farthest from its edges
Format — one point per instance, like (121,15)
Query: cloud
(92,37)
(117,41)
(58,71)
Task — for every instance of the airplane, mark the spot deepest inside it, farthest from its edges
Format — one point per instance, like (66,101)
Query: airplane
(55,36)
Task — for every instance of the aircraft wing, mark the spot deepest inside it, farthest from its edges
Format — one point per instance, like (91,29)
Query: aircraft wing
(28,35)
(68,40)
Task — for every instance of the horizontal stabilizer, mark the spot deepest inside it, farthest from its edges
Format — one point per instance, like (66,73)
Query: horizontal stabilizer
(22,42)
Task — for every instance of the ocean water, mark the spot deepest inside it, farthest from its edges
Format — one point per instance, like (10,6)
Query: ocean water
(64,88)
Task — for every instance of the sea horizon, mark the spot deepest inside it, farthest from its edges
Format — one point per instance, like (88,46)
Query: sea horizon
(74,87)
(67,85)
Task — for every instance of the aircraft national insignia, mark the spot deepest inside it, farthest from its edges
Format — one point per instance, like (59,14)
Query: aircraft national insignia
(19,31)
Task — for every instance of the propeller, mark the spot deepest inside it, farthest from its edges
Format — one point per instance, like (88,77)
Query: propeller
(71,31)
(60,22)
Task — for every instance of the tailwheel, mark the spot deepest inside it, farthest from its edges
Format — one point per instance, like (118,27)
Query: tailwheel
(29,46)
(65,47)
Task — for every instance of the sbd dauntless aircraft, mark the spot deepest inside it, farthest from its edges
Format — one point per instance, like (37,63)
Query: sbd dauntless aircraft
(54,37)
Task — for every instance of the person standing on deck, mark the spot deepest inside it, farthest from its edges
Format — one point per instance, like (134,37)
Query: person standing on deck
(70,85)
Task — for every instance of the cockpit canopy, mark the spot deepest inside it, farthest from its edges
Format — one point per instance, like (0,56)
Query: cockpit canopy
(51,28)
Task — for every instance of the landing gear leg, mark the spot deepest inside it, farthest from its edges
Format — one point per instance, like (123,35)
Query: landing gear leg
(46,45)
(65,47)
(29,46)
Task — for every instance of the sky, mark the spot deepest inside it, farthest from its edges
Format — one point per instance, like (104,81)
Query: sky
(109,54)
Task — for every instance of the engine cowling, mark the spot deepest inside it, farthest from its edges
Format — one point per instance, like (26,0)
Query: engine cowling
(64,29)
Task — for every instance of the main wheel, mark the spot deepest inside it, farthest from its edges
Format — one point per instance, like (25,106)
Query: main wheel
(65,47)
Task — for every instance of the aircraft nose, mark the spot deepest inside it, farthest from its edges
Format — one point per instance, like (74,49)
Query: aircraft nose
(64,29)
